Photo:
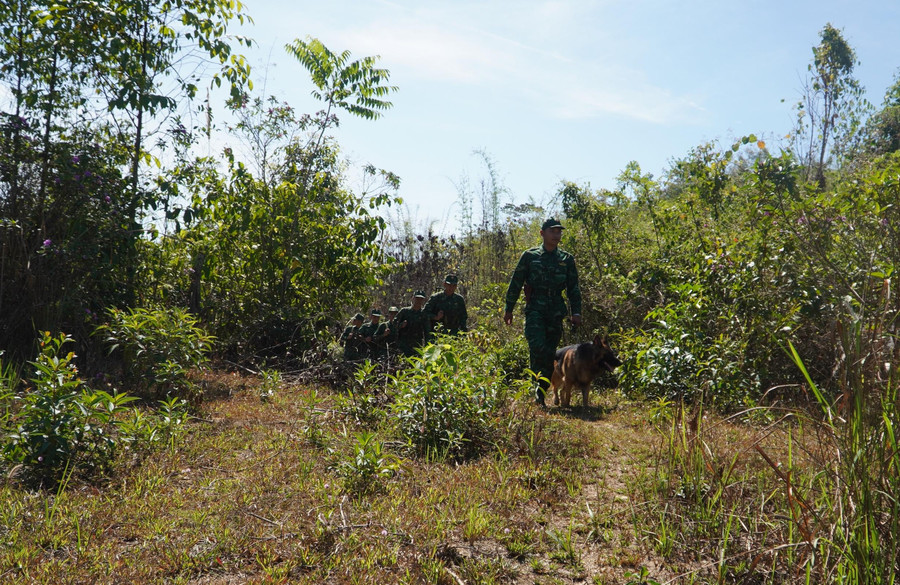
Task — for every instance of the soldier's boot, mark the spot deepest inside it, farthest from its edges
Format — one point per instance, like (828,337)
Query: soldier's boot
(540,390)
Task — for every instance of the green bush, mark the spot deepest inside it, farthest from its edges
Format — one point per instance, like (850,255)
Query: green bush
(58,425)
(158,348)
(689,351)
(369,464)
(448,402)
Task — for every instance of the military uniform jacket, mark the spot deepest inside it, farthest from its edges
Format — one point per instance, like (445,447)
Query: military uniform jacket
(544,276)
(352,341)
(376,332)
(372,330)
(454,308)
(417,326)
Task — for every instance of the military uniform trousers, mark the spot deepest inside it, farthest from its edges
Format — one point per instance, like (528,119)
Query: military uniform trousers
(543,331)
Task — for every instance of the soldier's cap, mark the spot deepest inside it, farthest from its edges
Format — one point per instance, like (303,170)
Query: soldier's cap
(419,293)
(451,279)
(393,310)
(358,317)
(551,223)
(376,313)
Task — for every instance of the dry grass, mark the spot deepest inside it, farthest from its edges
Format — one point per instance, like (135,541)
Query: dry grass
(254,493)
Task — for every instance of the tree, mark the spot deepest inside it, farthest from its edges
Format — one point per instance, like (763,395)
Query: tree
(832,108)
(284,245)
(85,80)
(884,127)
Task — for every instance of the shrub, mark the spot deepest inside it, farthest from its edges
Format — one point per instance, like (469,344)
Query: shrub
(682,357)
(158,348)
(60,418)
(368,464)
(61,425)
(448,402)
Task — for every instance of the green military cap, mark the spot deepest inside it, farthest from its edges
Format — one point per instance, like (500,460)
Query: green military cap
(358,317)
(551,223)
(451,279)
(393,309)
(376,313)
(419,293)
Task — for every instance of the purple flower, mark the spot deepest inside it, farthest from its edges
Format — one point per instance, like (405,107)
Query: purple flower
(48,243)
(107,199)
(76,159)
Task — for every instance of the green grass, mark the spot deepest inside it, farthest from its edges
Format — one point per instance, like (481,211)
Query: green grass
(251,494)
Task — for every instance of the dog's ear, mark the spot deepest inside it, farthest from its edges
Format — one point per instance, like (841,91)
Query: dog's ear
(605,342)
(597,341)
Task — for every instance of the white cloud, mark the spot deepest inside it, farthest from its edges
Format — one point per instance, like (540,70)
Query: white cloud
(649,104)
(577,72)
(430,51)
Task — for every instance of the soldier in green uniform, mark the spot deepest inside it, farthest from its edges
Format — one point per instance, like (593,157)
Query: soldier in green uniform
(351,339)
(390,339)
(373,334)
(545,272)
(447,310)
(412,326)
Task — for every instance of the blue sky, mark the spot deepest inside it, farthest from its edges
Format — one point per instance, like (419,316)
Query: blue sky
(564,89)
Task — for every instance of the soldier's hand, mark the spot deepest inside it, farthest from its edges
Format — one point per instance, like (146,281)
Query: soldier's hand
(576,320)
(404,324)
(507,318)
(439,316)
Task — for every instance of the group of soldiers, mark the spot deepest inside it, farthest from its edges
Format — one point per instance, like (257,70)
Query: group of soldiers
(406,329)
(543,273)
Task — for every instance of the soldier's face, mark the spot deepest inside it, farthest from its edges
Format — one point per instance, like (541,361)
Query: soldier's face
(375,319)
(551,237)
(392,314)
(449,288)
(417,303)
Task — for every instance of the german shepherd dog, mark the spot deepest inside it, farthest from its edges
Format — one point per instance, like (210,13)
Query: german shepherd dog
(578,365)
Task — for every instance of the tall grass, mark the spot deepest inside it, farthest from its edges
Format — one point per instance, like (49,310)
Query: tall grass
(810,497)
(858,527)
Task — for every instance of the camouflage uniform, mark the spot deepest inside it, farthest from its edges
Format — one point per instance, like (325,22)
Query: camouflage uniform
(375,333)
(390,339)
(544,275)
(453,305)
(416,332)
(352,341)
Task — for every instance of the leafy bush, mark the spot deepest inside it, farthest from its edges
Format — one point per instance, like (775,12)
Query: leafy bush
(61,424)
(683,356)
(369,463)
(448,402)
(158,348)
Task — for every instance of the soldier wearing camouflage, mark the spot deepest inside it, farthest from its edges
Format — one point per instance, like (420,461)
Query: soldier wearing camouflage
(373,334)
(412,326)
(351,339)
(390,339)
(447,309)
(545,272)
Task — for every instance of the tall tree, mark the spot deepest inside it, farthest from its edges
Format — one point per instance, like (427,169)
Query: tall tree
(85,80)
(833,105)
